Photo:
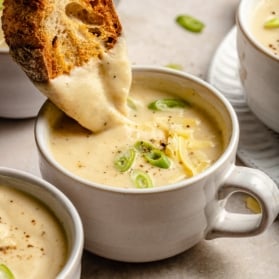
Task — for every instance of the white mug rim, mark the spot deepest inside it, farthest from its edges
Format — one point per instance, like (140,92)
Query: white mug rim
(243,28)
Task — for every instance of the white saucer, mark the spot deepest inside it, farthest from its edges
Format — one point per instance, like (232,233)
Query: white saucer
(258,146)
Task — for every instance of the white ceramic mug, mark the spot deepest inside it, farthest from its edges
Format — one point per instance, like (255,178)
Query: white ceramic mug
(259,69)
(139,225)
(63,209)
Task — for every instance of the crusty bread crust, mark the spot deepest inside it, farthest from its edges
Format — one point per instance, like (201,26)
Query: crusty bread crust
(51,37)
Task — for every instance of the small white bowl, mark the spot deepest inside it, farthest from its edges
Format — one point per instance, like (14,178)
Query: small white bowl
(19,98)
(63,209)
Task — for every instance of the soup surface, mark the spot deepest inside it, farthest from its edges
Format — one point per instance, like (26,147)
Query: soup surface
(265,25)
(32,242)
(165,143)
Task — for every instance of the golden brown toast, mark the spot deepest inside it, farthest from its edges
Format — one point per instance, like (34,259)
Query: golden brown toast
(49,38)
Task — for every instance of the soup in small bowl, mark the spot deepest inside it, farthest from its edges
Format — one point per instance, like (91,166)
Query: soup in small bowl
(41,231)
(148,189)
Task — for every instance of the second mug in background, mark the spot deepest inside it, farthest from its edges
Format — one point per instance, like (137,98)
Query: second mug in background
(259,60)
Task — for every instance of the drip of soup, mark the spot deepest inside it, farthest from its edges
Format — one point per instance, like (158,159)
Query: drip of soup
(32,241)
(95,94)
(266,34)
(167,139)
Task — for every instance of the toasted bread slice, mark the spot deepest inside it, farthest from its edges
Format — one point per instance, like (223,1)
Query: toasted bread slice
(74,52)
(49,38)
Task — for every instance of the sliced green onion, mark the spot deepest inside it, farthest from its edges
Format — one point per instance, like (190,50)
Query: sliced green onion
(153,155)
(5,272)
(272,23)
(131,103)
(190,23)
(141,179)
(174,66)
(166,104)
(144,146)
(124,160)
(157,158)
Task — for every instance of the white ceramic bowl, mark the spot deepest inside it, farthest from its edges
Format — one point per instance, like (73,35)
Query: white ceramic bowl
(259,69)
(63,209)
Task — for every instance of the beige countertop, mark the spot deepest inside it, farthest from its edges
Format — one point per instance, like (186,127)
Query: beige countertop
(153,38)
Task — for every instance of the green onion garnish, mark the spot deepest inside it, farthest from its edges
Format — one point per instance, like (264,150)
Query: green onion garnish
(174,66)
(157,158)
(144,146)
(272,23)
(166,104)
(141,179)
(5,272)
(131,103)
(124,160)
(152,155)
(190,23)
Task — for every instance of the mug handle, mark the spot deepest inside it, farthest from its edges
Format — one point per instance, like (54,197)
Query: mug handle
(256,184)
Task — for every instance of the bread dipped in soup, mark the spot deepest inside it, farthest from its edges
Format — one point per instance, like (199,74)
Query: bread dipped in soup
(75,53)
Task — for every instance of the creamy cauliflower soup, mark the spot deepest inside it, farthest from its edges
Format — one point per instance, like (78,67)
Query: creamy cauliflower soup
(265,25)
(32,242)
(167,139)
